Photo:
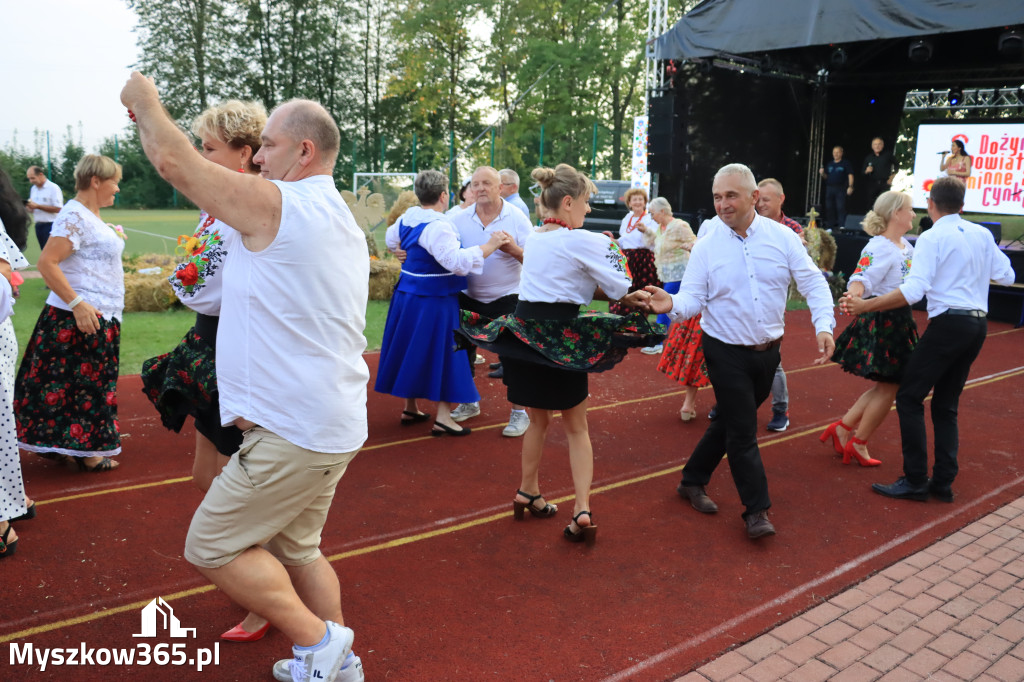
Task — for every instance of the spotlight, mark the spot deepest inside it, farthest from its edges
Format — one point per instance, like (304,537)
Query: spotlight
(705,65)
(1011,44)
(838,57)
(956,95)
(767,63)
(920,51)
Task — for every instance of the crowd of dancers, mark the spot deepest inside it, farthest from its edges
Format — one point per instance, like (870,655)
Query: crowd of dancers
(278,397)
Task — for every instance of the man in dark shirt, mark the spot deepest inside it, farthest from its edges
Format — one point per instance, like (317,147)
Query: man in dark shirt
(879,170)
(838,174)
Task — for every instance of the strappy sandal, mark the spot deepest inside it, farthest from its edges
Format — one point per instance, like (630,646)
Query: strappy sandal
(55,457)
(105,464)
(519,507)
(7,548)
(587,534)
(413,417)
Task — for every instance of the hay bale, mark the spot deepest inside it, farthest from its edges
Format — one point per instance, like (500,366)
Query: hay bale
(148,291)
(383,278)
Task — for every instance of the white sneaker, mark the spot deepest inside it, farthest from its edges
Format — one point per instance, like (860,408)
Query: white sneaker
(465,411)
(324,664)
(651,350)
(518,422)
(479,359)
(351,671)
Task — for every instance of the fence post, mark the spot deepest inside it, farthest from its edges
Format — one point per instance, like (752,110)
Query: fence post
(414,152)
(49,162)
(492,147)
(451,156)
(355,150)
(381,153)
(593,153)
(117,197)
(540,160)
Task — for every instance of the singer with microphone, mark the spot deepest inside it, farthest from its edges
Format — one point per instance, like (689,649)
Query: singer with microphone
(958,165)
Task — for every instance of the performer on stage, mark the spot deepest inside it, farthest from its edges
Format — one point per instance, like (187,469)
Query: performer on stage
(549,348)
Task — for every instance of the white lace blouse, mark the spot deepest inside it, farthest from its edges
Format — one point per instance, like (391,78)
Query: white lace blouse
(94,268)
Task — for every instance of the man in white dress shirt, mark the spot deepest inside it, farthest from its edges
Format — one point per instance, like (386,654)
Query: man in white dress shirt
(739,277)
(45,201)
(509,190)
(953,263)
(495,291)
(291,377)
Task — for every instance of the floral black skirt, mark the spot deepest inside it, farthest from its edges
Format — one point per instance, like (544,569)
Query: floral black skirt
(643,271)
(65,396)
(877,345)
(183,382)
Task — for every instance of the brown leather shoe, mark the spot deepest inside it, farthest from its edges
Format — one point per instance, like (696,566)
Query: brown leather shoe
(758,525)
(698,498)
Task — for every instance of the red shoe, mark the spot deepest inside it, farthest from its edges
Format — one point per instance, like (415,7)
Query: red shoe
(831,431)
(852,453)
(239,634)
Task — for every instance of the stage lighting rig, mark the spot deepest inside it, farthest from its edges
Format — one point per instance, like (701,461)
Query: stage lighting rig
(956,96)
(1011,44)
(920,51)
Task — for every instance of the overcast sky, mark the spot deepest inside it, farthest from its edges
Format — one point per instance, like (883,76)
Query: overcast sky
(63,62)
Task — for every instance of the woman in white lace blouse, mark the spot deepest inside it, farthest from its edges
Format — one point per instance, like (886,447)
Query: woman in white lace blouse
(65,396)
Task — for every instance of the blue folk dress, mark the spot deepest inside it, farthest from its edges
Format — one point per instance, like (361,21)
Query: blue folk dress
(418,358)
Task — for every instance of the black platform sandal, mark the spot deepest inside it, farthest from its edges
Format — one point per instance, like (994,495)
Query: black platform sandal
(28,515)
(7,548)
(519,507)
(587,534)
(105,464)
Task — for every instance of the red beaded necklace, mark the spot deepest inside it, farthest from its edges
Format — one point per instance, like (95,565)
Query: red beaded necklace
(556,221)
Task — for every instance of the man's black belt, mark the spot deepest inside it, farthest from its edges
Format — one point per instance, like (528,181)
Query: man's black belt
(965,313)
(761,347)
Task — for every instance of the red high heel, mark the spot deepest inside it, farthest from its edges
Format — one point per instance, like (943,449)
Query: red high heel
(240,634)
(831,431)
(851,453)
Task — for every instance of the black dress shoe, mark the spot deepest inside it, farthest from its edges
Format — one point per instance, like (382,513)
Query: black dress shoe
(758,525)
(494,365)
(902,489)
(942,493)
(498,373)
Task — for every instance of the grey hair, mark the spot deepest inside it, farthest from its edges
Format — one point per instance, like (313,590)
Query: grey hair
(429,185)
(510,175)
(740,170)
(659,204)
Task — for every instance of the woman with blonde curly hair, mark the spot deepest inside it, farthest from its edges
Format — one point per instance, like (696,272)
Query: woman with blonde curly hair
(876,345)
(183,382)
(65,396)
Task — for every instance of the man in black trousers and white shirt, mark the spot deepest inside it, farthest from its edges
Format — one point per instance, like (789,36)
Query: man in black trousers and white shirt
(739,277)
(953,263)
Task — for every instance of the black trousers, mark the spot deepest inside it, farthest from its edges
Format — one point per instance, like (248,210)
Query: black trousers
(835,205)
(43,233)
(941,361)
(742,380)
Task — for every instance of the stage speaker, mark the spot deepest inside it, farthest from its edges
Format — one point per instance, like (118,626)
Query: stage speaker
(853,223)
(996,229)
(666,144)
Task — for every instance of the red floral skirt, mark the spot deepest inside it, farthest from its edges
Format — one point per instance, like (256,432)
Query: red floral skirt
(644,272)
(683,357)
(65,396)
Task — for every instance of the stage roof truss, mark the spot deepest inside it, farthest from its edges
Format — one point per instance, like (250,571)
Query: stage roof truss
(973,98)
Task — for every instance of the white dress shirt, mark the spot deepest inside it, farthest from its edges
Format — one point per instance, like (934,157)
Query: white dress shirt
(500,276)
(883,266)
(567,266)
(47,195)
(742,284)
(440,240)
(953,263)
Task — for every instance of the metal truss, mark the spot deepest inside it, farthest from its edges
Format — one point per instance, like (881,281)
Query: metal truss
(988,98)
(657,24)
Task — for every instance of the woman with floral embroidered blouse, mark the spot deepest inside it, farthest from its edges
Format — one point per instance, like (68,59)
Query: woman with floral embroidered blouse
(876,345)
(65,396)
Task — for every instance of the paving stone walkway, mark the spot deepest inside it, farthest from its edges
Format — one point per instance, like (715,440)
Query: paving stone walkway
(953,611)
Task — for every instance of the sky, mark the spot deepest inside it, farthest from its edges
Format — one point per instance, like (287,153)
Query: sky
(63,62)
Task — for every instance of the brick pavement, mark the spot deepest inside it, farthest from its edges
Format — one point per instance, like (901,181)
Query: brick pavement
(953,611)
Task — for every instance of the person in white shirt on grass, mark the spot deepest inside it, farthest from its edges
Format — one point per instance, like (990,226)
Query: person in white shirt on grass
(494,292)
(739,275)
(45,201)
(291,377)
(953,264)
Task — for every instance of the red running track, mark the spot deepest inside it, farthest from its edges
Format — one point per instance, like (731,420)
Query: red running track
(440,584)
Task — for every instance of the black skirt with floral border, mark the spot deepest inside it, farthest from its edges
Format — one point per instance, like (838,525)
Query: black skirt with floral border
(65,396)
(183,383)
(877,345)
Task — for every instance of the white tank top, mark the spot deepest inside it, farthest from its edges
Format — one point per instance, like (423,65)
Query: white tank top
(290,339)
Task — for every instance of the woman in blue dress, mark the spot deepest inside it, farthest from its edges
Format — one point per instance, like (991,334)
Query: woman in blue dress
(418,358)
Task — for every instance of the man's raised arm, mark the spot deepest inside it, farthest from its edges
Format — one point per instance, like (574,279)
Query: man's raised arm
(249,204)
